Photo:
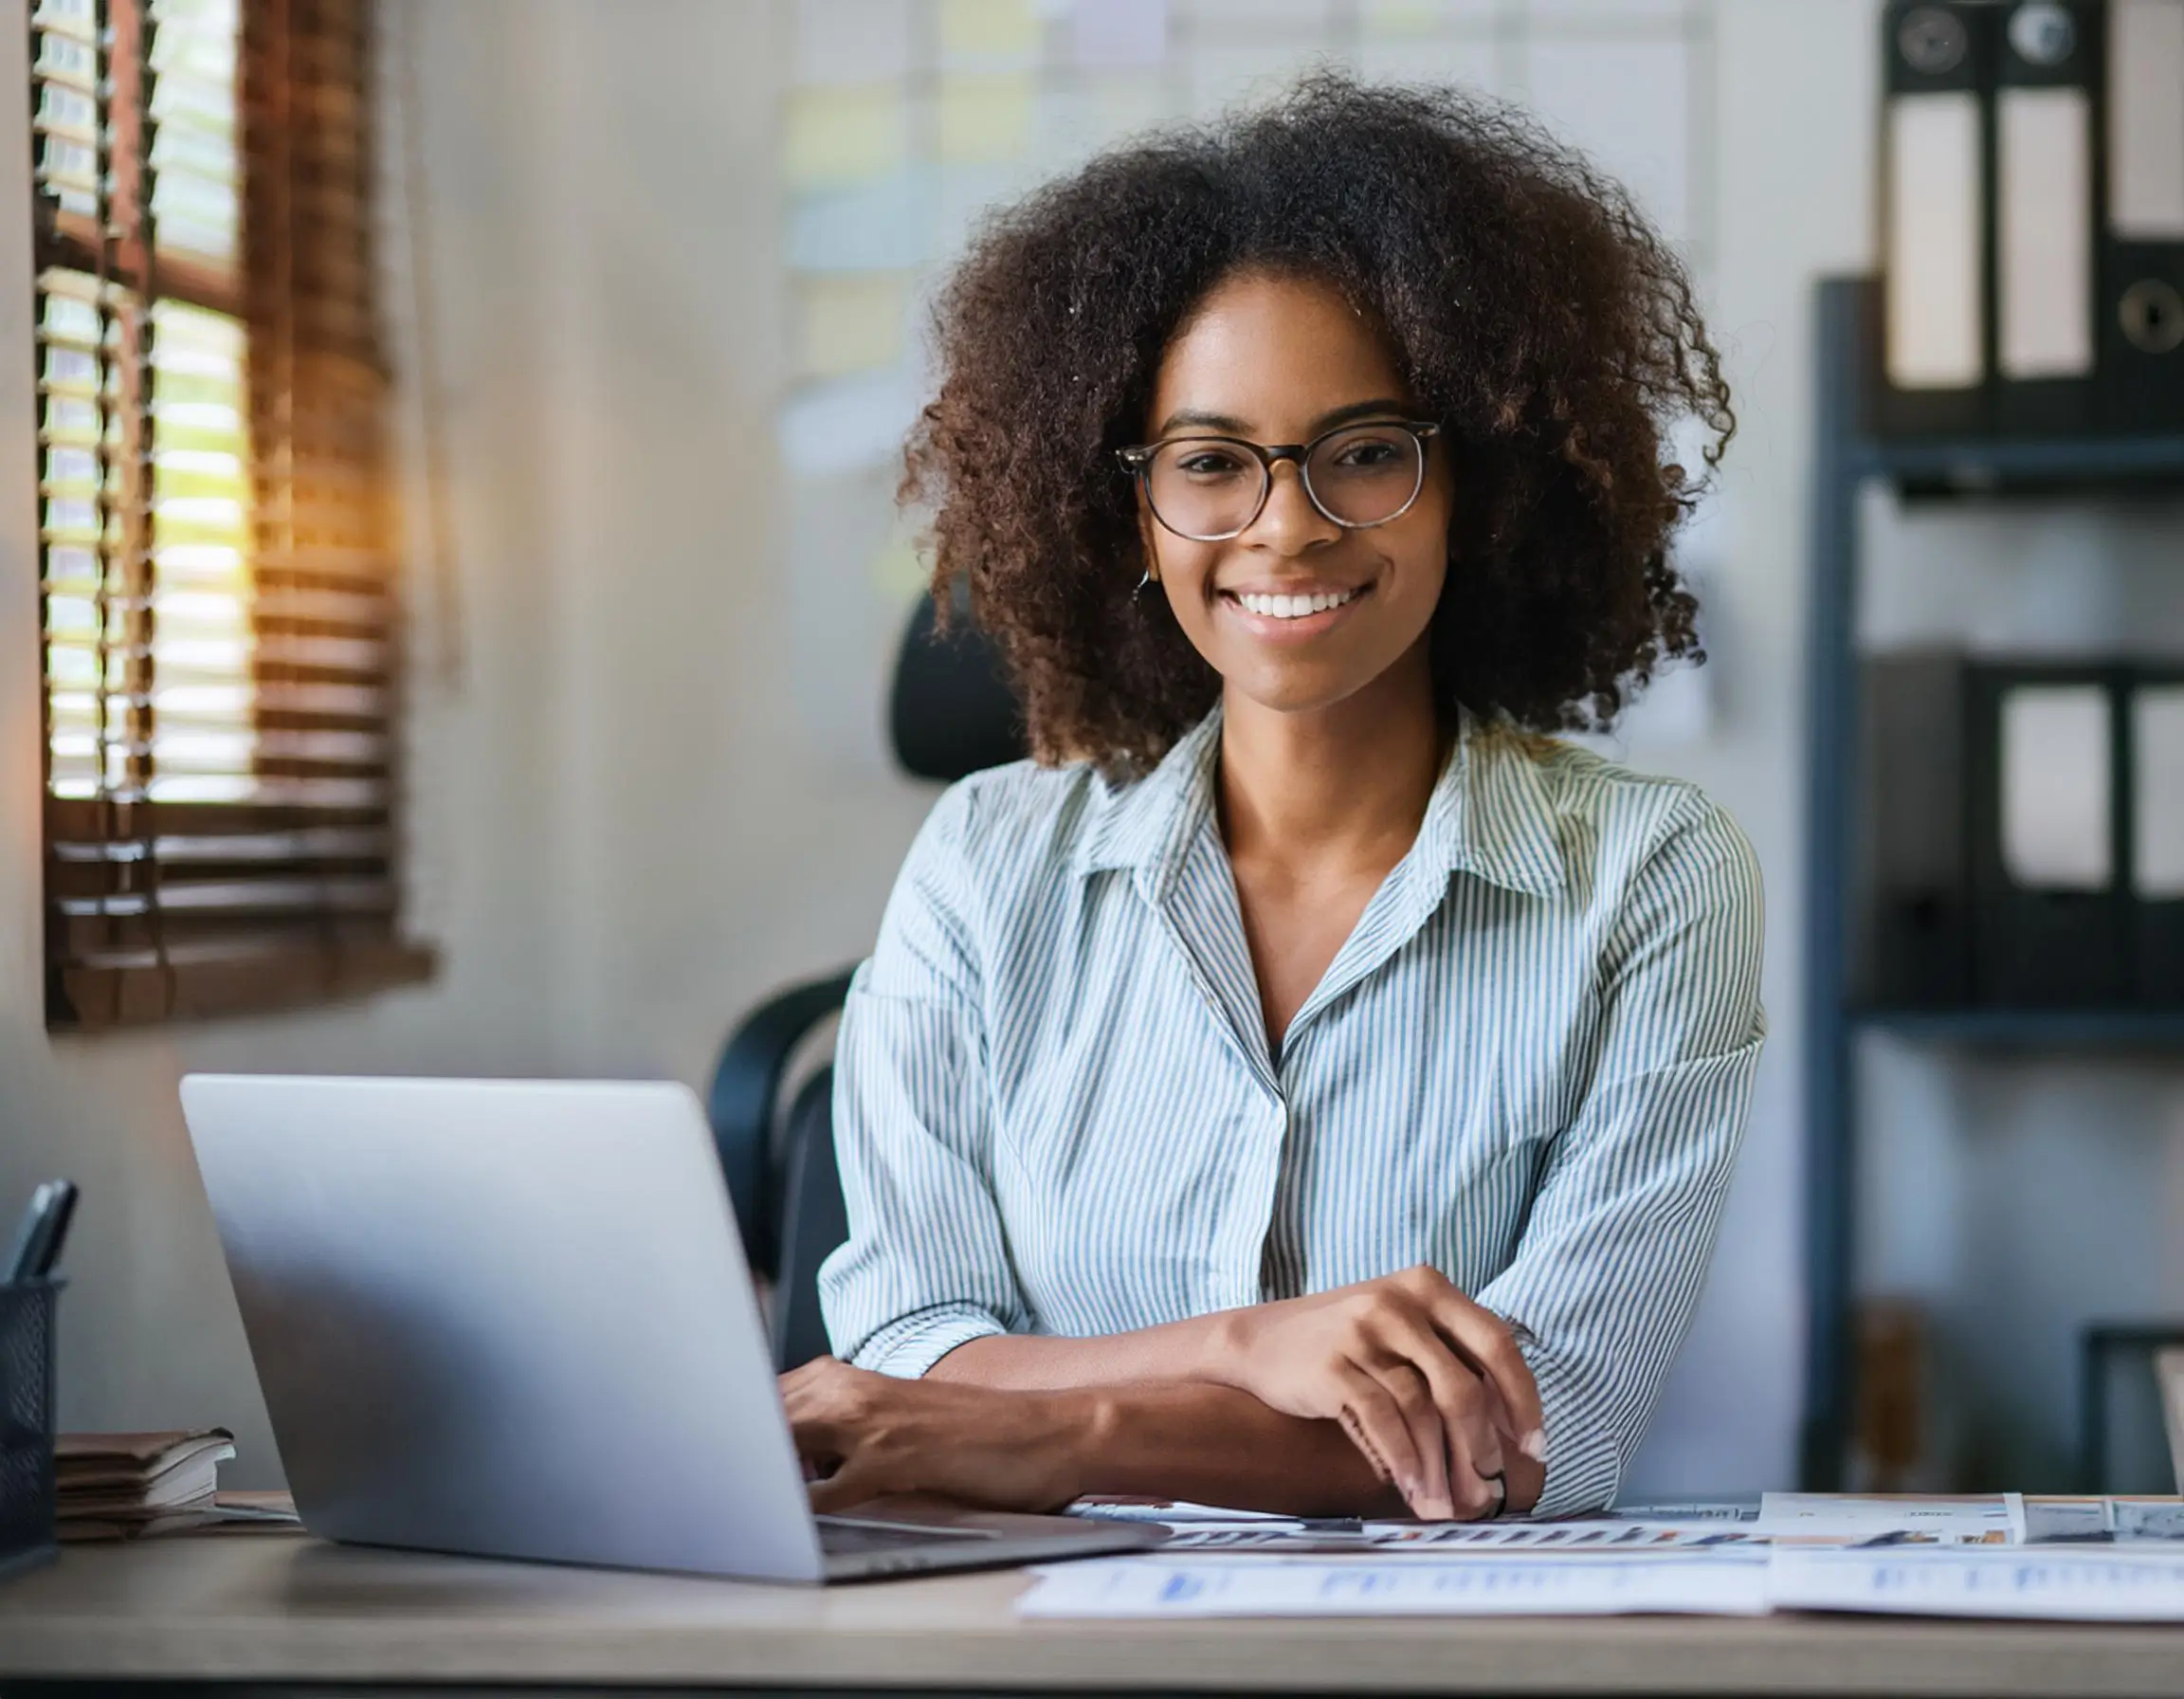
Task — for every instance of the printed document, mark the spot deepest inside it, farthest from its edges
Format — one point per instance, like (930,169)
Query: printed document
(2065,1586)
(1693,1584)
(1840,1519)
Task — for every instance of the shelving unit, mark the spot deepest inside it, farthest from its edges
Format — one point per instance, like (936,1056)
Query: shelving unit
(1846,458)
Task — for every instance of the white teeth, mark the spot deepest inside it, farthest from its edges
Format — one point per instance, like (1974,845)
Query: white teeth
(1295,606)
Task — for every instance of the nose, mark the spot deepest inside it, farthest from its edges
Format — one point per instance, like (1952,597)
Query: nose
(1288,523)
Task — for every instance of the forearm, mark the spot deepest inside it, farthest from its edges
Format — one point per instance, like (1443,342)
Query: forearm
(1215,1445)
(1036,1362)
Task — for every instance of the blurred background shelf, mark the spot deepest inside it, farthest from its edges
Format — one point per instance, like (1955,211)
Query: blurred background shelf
(1848,458)
(2030,1029)
(2031,466)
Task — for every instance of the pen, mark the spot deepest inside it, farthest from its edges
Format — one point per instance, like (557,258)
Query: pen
(57,1219)
(44,1230)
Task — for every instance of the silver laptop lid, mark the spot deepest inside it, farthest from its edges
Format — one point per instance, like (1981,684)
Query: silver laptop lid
(504,1317)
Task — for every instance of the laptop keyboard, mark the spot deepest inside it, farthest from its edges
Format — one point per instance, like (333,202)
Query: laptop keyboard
(851,1537)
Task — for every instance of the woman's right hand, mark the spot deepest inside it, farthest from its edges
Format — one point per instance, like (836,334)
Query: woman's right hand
(1428,1384)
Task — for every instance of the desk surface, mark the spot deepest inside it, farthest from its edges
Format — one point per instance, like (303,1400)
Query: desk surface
(288,1609)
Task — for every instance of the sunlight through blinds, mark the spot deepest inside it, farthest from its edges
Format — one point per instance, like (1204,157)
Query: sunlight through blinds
(217,586)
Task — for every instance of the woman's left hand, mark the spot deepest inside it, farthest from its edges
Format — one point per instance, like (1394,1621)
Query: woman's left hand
(1009,1451)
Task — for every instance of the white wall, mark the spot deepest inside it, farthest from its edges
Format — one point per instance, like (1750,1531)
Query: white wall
(623,833)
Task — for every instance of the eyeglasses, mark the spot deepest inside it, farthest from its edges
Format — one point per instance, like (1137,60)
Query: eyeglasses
(1211,489)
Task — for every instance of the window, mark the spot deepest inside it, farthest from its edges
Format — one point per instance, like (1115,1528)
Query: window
(217,590)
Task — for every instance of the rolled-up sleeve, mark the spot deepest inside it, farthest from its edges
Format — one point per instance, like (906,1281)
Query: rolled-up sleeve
(926,1264)
(1616,1248)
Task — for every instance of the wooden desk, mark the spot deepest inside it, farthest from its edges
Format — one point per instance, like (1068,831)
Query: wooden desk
(288,1610)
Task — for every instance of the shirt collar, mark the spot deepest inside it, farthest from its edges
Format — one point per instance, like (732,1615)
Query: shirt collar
(1490,814)
(1147,824)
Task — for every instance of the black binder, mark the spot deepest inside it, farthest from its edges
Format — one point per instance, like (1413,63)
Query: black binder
(1946,917)
(2043,938)
(2048,75)
(2154,745)
(1913,942)
(2142,309)
(1937,341)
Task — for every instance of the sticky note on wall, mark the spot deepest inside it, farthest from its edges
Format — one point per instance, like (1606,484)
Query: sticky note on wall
(984,120)
(988,34)
(851,322)
(837,137)
(1401,17)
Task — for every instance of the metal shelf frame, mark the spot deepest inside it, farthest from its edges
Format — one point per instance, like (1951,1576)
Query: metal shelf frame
(1845,457)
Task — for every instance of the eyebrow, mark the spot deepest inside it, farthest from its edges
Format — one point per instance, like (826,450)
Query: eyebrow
(1187,418)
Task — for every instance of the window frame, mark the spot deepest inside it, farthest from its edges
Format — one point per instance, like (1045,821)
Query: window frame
(221,908)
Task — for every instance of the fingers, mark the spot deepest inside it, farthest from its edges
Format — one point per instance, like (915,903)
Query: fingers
(826,1416)
(1467,1404)
(851,1484)
(828,1428)
(1430,1499)
(1489,1344)
(1473,1486)
(1376,1425)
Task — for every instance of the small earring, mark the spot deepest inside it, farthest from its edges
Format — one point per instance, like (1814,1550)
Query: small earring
(1141,583)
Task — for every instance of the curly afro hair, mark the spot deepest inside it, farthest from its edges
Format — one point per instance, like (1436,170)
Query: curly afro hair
(1531,310)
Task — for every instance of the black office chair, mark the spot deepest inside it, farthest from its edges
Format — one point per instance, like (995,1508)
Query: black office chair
(951,713)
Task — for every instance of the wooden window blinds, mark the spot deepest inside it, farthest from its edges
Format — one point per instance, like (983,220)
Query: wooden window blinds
(217,589)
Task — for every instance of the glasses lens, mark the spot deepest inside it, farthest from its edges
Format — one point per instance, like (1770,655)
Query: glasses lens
(1205,487)
(1367,474)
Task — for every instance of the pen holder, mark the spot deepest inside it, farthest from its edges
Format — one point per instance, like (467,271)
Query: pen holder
(27,1423)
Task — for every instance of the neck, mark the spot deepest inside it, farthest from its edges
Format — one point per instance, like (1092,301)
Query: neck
(1344,786)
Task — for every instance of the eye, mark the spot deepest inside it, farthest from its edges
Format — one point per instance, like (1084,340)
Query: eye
(1209,462)
(1369,453)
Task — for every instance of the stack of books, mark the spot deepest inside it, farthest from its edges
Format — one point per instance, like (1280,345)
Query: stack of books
(133,1486)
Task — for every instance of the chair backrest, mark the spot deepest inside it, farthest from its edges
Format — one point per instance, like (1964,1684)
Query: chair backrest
(813,1222)
(951,713)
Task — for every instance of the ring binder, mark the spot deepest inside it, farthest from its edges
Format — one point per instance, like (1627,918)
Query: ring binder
(2047,77)
(2142,252)
(2050,798)
(1935,337)
(2024,844)
(1914,939)
(2153,734)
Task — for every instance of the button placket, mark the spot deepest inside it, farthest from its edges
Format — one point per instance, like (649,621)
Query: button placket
(1269,1191)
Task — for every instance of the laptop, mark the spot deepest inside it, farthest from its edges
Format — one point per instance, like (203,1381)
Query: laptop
(513,1319)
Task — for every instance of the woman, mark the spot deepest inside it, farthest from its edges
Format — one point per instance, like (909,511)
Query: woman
(1302,1086)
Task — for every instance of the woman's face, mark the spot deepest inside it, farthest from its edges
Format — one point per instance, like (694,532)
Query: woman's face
(1283,359)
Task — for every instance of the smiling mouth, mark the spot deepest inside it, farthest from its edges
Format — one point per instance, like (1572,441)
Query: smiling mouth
(1294,607)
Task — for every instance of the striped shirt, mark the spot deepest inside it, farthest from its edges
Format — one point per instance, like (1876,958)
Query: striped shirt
(1056,1109)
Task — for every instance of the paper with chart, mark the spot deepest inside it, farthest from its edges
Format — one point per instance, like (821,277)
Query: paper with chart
(2117,1585)
(1840,1519)
(1815,1520)
(2141,1584)
(2002,1555)
(2149,1520)
(1209,1527)
(1542,1585)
